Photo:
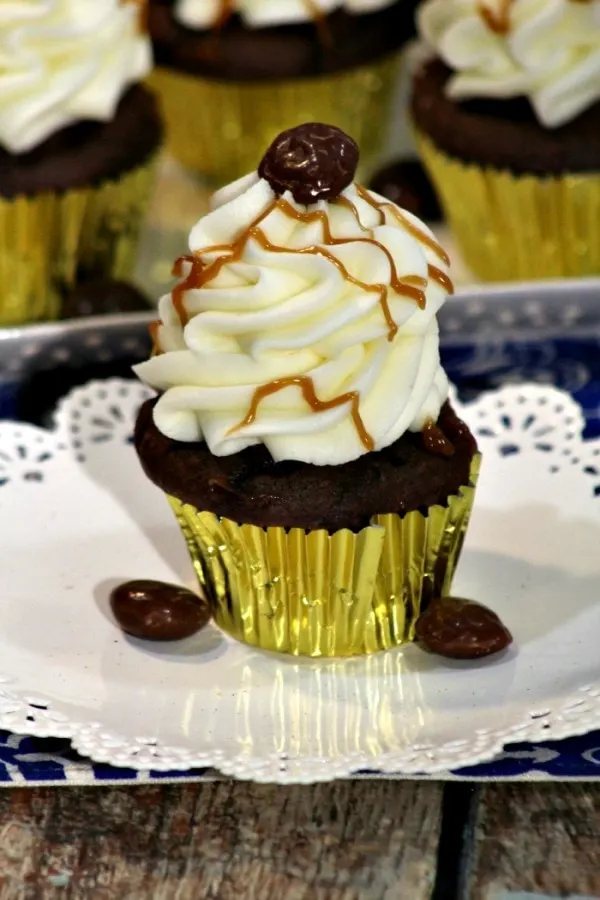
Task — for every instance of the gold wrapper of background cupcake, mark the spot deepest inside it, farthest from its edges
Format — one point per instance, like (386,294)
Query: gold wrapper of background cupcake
(76,155)
(296,489)
(232,75)
(511,135)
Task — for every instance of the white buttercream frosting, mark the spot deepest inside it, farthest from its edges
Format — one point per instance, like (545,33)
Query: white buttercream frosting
(264,13)
(62,61)
(268,315)
(547,50)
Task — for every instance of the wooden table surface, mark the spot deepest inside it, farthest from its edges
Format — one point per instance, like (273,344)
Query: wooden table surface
(349,840)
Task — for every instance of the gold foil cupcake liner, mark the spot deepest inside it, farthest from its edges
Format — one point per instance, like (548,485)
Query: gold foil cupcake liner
(49,240)
(514,227)
(324,595)
(222,128)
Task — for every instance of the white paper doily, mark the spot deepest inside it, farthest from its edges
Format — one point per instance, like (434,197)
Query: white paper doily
(77,516)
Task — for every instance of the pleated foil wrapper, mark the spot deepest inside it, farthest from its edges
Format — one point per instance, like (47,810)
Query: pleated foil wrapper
(318,594)
(48,241)
(518,227)
(221,129)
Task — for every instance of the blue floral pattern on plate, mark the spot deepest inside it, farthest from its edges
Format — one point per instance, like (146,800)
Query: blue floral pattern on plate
(26,760)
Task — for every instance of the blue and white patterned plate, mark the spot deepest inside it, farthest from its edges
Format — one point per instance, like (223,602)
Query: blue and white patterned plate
(49,761)
(566,355)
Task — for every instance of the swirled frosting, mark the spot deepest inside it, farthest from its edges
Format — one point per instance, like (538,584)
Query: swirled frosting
(310,329)
(263,13)
(547,50)
(62,61)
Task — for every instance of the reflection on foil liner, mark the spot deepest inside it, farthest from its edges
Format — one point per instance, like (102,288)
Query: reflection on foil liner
(332,710)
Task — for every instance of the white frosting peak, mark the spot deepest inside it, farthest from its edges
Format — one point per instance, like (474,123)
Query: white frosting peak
(62,61)
(263,13)
(547,50)
(315,293)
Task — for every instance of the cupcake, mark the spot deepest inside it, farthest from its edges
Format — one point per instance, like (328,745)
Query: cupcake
(302,430)
(233,73)
(78,135)
(507,115)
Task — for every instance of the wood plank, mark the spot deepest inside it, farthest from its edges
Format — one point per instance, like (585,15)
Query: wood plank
(365,840)
(535,839)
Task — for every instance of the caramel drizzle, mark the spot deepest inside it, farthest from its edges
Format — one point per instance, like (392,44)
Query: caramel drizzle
(192,280)
(227,9)
(224,14)
(320,21)
(142,6)
(499,21)
(306,385)
(420,236)
(153,328)
(200,275)
(411,290)
(432,271)
(442,279)
(410,286)
(178,294)
(349,205)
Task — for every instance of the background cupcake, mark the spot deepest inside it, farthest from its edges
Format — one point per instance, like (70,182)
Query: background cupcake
(508,121)
(233,73)
(302,432)
(78,134)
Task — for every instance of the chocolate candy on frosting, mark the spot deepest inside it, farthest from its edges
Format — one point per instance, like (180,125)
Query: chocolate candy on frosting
(313,161)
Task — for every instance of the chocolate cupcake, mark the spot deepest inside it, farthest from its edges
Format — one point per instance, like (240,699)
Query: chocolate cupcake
(78,135)
(507,114)
(302,431)
(233,73)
